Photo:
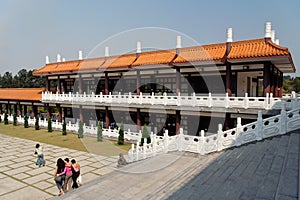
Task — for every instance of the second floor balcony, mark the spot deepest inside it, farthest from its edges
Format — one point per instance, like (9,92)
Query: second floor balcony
(193,101)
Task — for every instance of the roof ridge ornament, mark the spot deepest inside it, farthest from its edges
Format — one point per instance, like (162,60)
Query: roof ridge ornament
(268,28)
(80,55)
(106,53)
(178,44)
(58,58)
(138,47)
(47,60)
(229,35)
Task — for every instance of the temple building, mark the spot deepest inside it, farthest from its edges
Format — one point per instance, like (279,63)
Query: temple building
(161,88)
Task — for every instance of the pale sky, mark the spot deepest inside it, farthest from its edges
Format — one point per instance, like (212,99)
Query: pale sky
(33,29)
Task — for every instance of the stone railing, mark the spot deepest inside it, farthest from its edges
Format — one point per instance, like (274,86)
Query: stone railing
(286,122)
(210,101)
(87,130)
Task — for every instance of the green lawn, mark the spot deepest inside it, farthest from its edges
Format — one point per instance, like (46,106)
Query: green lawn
(87,144)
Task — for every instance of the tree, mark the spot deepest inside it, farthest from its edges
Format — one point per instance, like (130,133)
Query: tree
(80,129)
(5,118)
(99,132)
(25,121)
(15,119)
(49,124)
(64,128)
(121,135)
(37,126)
(145,134)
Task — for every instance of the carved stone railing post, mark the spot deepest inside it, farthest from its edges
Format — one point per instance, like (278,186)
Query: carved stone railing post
(283,119)
(219,138)
(239,136)
(259,133)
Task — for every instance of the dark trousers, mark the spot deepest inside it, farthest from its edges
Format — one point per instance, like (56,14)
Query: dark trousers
(74,177)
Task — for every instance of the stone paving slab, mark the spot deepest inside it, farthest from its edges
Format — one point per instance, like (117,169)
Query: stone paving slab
(20,178)
(268,169)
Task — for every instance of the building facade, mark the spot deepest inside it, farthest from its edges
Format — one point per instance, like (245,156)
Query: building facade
(162,89)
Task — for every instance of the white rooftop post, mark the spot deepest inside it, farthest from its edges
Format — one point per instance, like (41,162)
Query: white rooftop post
(277,41)
(138,47)
(268,27)
(273,35)
(106,54)
(47,60)
(80,55)
(58,58)
(229,35)
(178,44)
(63,59)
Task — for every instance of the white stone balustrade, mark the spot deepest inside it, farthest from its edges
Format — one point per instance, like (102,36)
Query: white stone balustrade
(266,103)
(89,130)
(283,123)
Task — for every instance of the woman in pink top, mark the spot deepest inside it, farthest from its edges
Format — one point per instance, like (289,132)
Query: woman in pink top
(68,180)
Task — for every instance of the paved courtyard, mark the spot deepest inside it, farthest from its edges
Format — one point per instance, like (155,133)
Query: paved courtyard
(267,169)
(20,178)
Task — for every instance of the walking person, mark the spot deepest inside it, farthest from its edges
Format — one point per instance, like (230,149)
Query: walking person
(68,181)
(60,175)
(40,155)
(76,173)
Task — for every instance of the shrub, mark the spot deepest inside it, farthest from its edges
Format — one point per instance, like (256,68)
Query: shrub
(25,121)
(80,130)
(64,128)
(49,124)
(121,135)
(145,134)
(99,132)
(37,126)
(15,119)
(5,118)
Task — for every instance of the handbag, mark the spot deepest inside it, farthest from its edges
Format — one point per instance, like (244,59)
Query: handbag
(57,178)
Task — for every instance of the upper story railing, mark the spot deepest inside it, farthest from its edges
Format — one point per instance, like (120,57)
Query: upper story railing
(265,103)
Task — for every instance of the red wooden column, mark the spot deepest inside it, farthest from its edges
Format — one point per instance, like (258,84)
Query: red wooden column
(138,119)
(81,114)
(280,84)
(272,80)
(34,111)
(228,79)
(266,79)
(59,108)
(178,81)
(25,110)
(49,114)
(276,83)
(227,121)
(58,85)
(8,108)
(107,121)
(80,86)
(138,82)
(47,84)
(106,92)
(1,110)
(177,118)
(16,109)
(20,108)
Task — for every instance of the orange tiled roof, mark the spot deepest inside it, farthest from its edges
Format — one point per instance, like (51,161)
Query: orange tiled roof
(23,94)
(161,57)
(91,64)
(119,61)
(213,52)
(255,48)
(247,49)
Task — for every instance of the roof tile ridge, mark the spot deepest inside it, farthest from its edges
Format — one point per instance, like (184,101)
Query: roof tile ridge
(278,46)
